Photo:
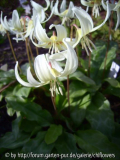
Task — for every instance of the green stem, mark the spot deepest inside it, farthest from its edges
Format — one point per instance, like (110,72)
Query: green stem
(30,51)
(11,46)
(106,55)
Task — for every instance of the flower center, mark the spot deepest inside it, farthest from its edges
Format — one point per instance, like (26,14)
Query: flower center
(54,43)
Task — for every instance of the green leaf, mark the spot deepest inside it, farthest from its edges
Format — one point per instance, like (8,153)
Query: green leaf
(79,110)
(21,91)
(113,82)
(112,91)
(15,138)
(98,60)
(116,136)
(66,147)
(81,77)
(100,115)
(28,126)
(93,141)
(38,145)
(30,110)
(77,89)
(53,133)
(6,77)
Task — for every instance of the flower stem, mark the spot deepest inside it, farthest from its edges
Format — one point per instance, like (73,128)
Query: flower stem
(106,55)
(11,46)
(36,47)
(53,102)
(27,50)
(30,51)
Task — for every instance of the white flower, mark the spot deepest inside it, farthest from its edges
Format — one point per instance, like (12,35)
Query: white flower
(93,3)
(14,25)
(54,43)
(2,30)
(47,69)
(66,14)
(87,26)
(114,7)
(39,11)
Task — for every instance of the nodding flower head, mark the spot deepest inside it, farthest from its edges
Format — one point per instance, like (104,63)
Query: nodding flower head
(48,70)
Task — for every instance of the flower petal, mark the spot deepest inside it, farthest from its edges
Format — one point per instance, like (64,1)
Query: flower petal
(70,13)
(61,31)
(88,4)
(4,23)
(118,18)
(42,69)
(40,33)
(71,62)
(63,6)
(31,79)
(19,79)
(16,24)
(84,19)
(106,18)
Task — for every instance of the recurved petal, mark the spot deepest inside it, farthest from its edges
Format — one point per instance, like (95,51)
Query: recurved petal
(71,61)
(61,31)
(40,32)
(4,23)
(59,56)
(36,6)
(70,13)
(42,70)
(31,79)
(87,3)
(56,12)
(85,20)
(48,4)
(118,19)
(19,79)
(63,6)
(106,18)
(15,20)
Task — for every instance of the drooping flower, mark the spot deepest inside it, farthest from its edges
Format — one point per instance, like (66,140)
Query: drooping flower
(39,11)
(87,26)
(66,14)
(95,4)
(55,42)
(48,70)
(115,7)
(14,25)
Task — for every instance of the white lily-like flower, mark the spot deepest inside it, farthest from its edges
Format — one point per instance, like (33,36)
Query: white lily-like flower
(38,13)
(55,42)
(14,25)
(95,4)
(87,26)
(2,30)
(66,14)
(48,70)
(115,7)
(39,10)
